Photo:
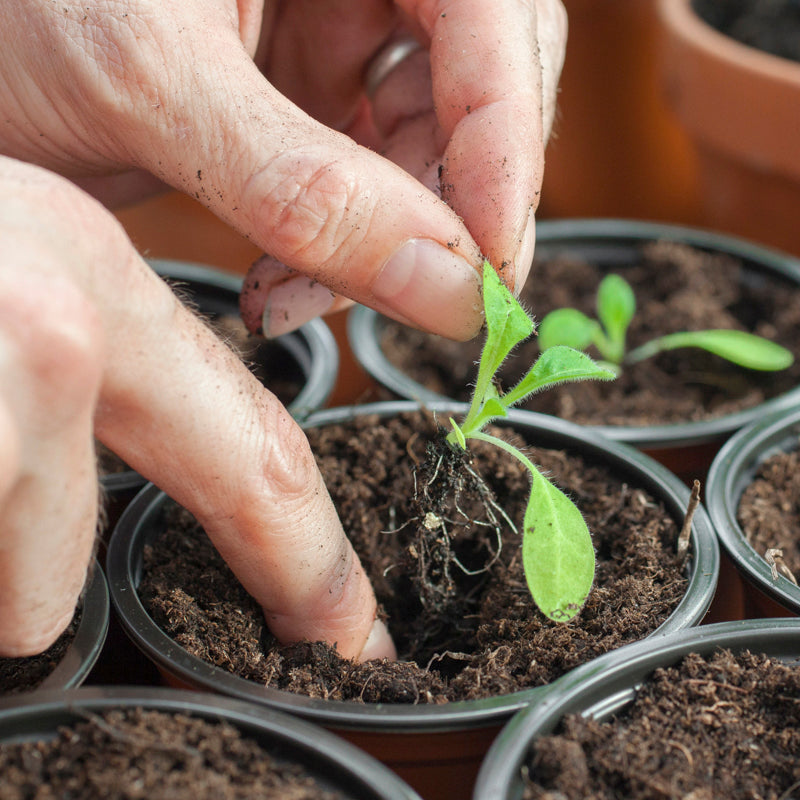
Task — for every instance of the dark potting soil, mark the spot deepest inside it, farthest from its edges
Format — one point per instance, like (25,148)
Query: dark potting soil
(769,25)
(27,673)
(150,754)
(677,288)
(728,726)
(456,600)
(769,511)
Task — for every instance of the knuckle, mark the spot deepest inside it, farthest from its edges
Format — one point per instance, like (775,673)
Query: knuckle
(55,337)
(289,465)
(312,210)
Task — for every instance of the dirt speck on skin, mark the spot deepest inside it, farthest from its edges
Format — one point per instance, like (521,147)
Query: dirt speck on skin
(723,726)
(134,754)
(677,288)
(454,595)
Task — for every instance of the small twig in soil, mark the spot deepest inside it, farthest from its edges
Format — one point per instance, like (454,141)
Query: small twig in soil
(774,557)
(686,530)
(448,654)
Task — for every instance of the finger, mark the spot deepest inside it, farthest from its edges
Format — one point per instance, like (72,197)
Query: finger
(311,198)
(487,84)
(275,299)
(247,474)
(49,381)
(348,32)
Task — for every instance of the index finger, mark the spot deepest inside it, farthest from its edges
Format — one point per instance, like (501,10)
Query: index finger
(490,80)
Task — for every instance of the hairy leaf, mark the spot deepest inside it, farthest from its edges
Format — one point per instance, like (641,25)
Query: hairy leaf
(557,552)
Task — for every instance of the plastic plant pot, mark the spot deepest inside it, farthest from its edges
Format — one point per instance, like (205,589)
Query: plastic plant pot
(333,763)
(605,686)
(435,748)
(687,449)
(309,354)
(733,469)
(83,650)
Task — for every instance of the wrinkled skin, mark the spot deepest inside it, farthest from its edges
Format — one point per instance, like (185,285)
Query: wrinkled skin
(259,111)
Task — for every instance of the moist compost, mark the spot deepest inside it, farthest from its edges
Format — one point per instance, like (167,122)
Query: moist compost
(445,566)
(769,25)
(727,726)
(29,672)
(678,288)
(769,512)
(150,754)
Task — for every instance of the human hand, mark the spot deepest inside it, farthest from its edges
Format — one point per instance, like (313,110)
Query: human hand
(92,341)
(272,146)
(468,114)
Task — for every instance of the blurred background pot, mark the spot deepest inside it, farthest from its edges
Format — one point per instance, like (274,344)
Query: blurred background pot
(608,684)
(687,449)
(741,108)
(334,765)
(733,470)
(69,662)
(617,149)
(435,748)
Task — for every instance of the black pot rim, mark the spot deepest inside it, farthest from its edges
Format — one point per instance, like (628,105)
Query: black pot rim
(90,636)
(603,686)
(452,716)
(324,754)
(313,346)
(730,473)
(362,324)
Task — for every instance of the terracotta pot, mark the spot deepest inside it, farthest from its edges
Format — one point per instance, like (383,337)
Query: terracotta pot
(435,748)
(309,354)
(688,448)
(741,108)
(616,148)
(335,765)
(604,687)
(83,651)
(732,471)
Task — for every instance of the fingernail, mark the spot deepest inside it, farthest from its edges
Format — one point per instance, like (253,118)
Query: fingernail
(524,258)
(292,304)
(432,287)
(379,644)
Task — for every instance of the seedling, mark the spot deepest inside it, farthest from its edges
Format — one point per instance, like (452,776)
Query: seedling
(557,552)
(616,306)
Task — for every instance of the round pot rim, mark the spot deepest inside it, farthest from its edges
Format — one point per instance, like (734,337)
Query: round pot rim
(329,755)
(457,715)
(320,371)
(83,651)
(608,683)
(685,22)
(362,323)
(729,475)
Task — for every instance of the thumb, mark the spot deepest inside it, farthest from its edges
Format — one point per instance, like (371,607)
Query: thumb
(314,200)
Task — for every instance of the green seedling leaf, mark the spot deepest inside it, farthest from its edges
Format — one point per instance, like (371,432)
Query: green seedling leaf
(556,365)
(559,564)
(557,552)
(569,327)
(507,324)
(616,305)
(739,347)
